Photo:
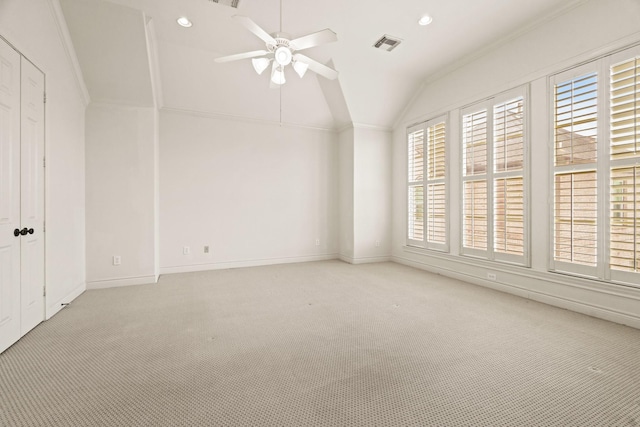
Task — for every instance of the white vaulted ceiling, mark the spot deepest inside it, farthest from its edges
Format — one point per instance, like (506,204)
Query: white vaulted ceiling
(373,88)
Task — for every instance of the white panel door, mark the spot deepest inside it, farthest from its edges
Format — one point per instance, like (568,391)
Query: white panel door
(9,195)
(32,197)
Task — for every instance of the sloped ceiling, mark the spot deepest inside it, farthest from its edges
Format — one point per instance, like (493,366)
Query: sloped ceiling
(373,88)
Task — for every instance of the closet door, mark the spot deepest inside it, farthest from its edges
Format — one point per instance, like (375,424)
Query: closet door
(9,195)
(32,197)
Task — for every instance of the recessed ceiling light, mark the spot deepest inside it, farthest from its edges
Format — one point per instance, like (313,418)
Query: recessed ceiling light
(425,20)
(183,21)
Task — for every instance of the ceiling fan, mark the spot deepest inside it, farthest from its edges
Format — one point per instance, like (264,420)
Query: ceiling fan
(283,51)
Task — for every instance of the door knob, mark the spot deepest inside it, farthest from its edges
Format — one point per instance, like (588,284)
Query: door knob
(30,231)
(16,232)
(24,231)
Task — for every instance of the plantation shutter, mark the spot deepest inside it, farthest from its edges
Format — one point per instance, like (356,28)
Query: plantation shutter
(625,109)
(415,206)
(508,150)
(624,196)
(427,196)
(436,194)
(575,213)
(625,219)
(494,189)
(475,150)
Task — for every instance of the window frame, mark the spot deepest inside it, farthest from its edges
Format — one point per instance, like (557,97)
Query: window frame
(426,181)
(604,165)
(491,175)
(554,80)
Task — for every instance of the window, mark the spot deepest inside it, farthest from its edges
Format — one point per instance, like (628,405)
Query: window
(575,134)
(494,146)
(596,192)
(624,149)
(427,196)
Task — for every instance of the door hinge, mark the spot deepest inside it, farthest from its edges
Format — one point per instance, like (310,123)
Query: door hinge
(44,97)
(44,226)
(44,291)
(44,162)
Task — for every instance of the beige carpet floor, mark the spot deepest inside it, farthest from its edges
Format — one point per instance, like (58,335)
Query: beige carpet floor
(319,344)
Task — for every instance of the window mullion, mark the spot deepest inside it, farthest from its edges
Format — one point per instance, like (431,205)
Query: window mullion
(490,183)
(426,207)
(604,171)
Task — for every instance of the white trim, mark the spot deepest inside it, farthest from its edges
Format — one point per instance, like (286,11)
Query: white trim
(245,263)
(355,125)
(575,290)
(364,260)
(67,44)
(124,281)
(366,126)
(55,306)
(244,119)
(119,105)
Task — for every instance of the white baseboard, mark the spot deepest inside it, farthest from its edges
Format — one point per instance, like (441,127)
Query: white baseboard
(568,295)
(363,260)
(245,263)
(124,281)
(55,306)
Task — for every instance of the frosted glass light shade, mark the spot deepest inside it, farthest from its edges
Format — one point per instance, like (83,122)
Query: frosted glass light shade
(277,76)
(300,68)
(260,64)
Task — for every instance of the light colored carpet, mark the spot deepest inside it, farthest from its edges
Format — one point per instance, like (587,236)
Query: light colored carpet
(319,344)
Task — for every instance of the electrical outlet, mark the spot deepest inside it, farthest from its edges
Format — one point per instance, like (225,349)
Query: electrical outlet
(117,260)
(317,242)
(186,250)
(206,249)
(492,276)
(377,243)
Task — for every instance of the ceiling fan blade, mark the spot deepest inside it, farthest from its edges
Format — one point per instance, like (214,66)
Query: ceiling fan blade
(317,67)
(314,39)
(244,55)
(254,28)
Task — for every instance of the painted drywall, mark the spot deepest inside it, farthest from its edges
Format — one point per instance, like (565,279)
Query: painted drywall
(254,193)
(193,81)
(372,195)
(111,45)
(120,180)
(593,28)
(365,194)
(346,179)
(32,27)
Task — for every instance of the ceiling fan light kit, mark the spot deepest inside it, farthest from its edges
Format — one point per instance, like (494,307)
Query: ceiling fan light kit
(281,50)
(277,75)
(300,68)
(260,64)
(283,56)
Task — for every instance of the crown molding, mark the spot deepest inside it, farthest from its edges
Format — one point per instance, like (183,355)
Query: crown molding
(355,125)
(238,118)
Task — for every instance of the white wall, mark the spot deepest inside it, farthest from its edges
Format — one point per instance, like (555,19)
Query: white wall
(592,29)
(121,168)
(365,194)
(346,181)
(31,26)
(372,195)
(255,193)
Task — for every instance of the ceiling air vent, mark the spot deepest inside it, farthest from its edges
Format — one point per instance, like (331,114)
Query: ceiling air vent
(387,43)
(232,3)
